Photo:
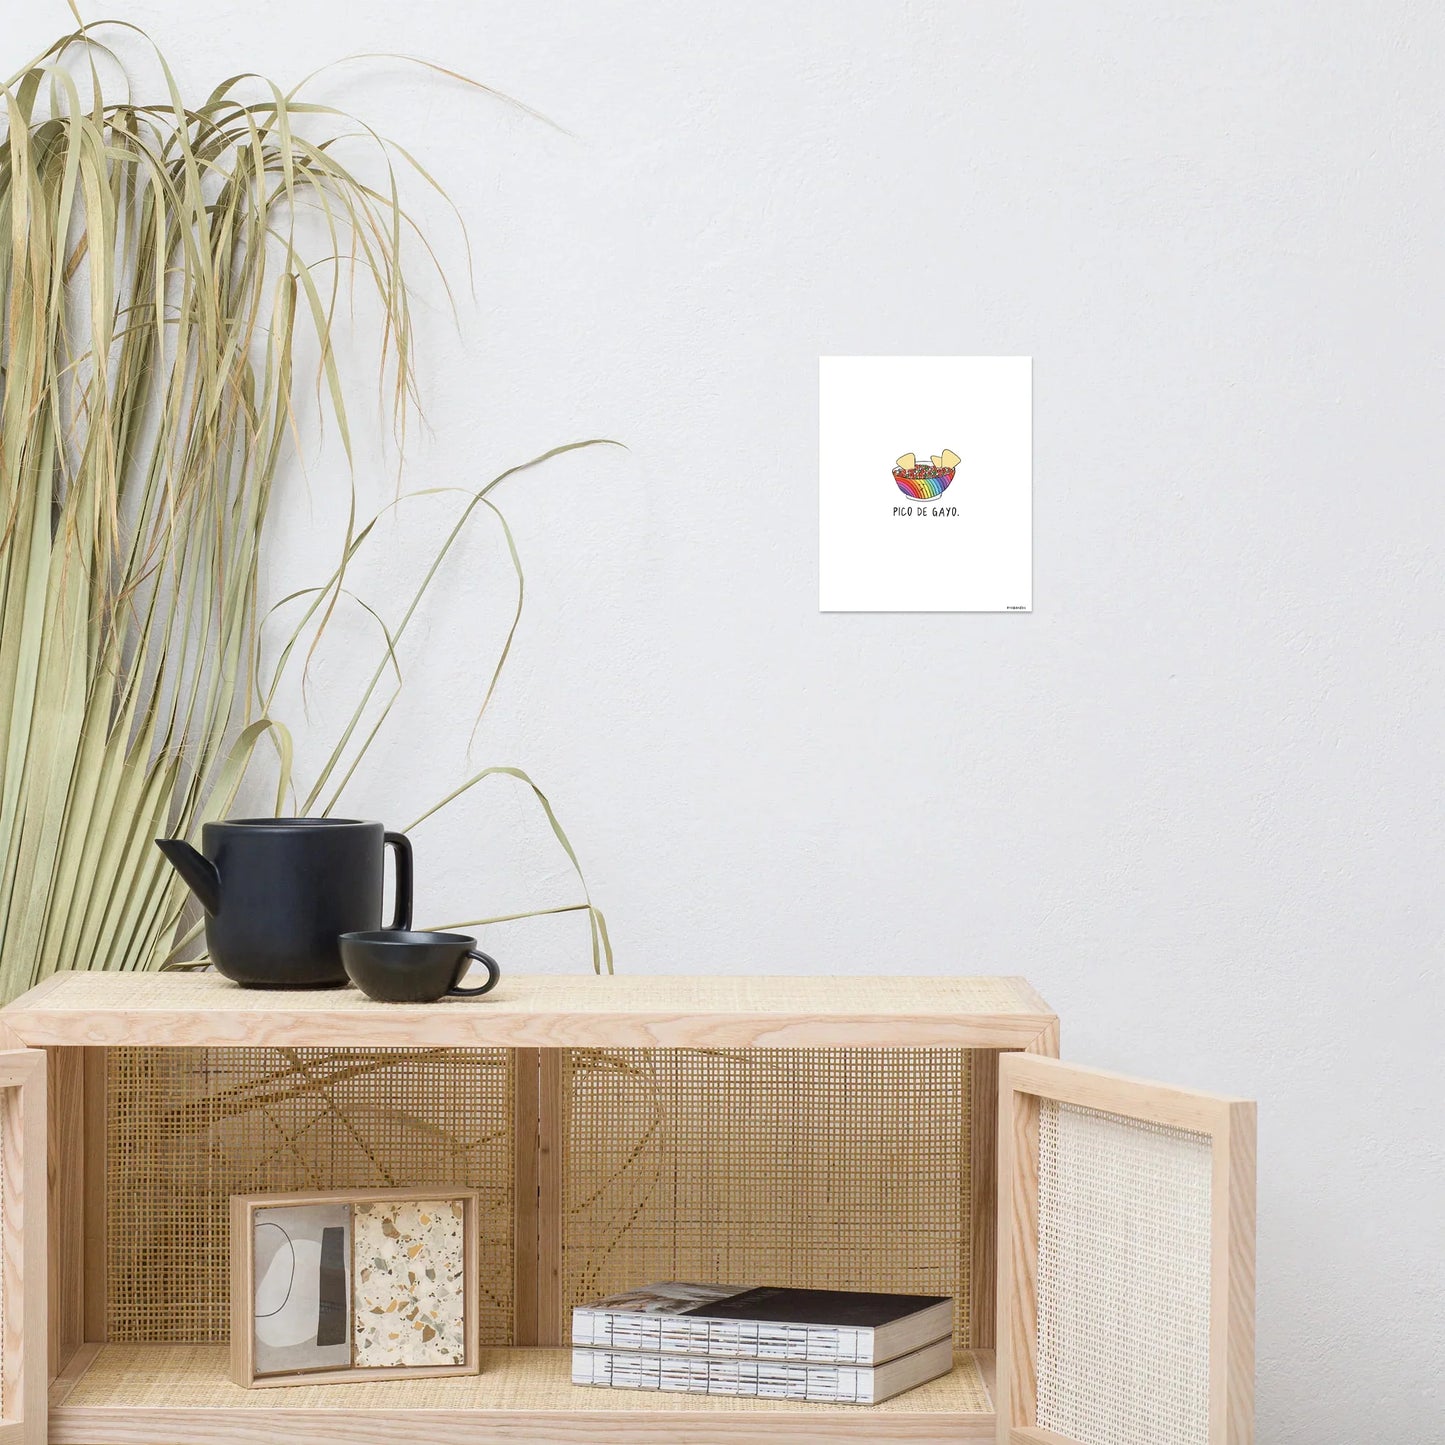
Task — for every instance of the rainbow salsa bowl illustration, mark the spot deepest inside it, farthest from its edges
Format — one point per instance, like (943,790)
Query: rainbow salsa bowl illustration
(923,481)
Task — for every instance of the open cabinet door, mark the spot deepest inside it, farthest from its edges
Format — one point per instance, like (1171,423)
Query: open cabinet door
(1126,1260)
(23,1186)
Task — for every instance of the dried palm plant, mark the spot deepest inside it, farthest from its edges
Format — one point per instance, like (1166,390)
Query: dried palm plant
(158,294)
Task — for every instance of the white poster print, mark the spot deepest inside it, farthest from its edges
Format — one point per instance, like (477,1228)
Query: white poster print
(925,491)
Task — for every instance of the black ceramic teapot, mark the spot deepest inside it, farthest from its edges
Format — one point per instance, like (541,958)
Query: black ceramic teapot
(278,892)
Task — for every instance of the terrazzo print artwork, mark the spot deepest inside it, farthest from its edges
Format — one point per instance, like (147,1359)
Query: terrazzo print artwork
(409,1291)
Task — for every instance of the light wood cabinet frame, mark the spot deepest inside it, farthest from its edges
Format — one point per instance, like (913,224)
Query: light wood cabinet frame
(98,1393)
(24,1168)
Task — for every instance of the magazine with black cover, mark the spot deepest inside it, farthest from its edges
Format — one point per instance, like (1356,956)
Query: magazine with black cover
(833,1384)
(807,1326)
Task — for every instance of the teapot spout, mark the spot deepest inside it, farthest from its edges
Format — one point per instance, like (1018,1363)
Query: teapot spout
(199,873)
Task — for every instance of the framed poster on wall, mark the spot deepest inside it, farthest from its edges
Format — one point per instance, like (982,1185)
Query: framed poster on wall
(925,487)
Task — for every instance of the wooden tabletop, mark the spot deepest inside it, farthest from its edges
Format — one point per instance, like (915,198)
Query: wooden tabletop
(542,1011)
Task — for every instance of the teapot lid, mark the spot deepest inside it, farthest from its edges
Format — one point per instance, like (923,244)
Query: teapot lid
(289,823)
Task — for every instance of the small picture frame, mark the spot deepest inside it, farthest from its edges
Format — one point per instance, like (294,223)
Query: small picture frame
(366,1284)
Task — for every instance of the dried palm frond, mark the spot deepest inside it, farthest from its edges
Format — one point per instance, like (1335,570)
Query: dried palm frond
(157,295)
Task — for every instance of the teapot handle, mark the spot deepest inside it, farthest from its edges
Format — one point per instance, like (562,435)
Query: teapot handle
(402,915)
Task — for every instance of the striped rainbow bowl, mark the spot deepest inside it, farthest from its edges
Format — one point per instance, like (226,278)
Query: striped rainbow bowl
(923,483)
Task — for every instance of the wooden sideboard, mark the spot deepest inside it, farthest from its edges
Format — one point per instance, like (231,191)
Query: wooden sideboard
(873,1132)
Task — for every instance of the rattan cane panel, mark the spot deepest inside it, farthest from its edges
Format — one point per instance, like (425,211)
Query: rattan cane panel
(1123,1280)
(830,1168)
(187,1128)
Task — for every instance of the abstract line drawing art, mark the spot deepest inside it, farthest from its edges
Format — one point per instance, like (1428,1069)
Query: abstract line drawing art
(302,1295)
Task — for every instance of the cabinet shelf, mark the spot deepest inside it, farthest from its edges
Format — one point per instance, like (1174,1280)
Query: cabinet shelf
(181,1395)
(167,1010)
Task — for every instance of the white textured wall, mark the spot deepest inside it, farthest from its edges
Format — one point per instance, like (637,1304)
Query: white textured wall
(1195,796)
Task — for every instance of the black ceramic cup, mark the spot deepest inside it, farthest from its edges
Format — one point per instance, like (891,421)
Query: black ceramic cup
(393,965)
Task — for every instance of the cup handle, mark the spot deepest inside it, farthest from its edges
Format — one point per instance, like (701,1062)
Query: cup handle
(494,972)
(402,846)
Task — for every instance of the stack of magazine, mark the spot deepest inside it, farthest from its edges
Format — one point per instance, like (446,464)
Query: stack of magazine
(829,1346)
